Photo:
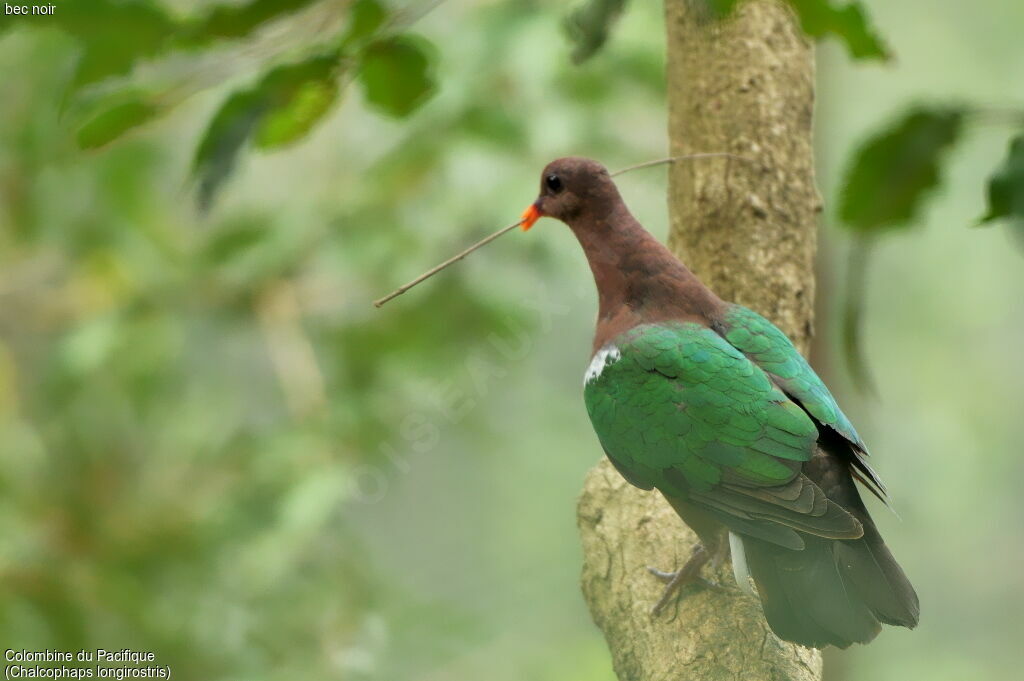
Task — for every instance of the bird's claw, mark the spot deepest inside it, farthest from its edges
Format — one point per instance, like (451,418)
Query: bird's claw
(689,573)
(663,576)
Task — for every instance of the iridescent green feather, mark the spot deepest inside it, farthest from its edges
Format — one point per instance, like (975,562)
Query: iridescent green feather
(678,397)
(772,351)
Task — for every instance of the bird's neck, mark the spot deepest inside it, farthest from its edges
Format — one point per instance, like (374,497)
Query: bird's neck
(638,279)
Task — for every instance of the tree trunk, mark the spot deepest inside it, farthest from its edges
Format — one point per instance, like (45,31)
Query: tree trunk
(746,226)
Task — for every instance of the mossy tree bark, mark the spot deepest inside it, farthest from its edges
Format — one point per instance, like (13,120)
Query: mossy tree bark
(746,226)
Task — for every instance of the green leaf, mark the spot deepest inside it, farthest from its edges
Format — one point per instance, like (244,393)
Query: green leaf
(396,75)
(1006,186)
(589,26)
(114,36)
(893,171)
(114,121)
(292,119)
(366,17)
(849,23)
(820,18)
(280,107)
(225,135)
(237,21)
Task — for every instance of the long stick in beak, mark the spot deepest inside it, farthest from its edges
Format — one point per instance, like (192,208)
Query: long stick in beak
(530,216)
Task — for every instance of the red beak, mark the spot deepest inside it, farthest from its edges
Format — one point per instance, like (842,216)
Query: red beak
(530,216)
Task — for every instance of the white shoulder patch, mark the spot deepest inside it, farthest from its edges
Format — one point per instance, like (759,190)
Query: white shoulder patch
(607,355)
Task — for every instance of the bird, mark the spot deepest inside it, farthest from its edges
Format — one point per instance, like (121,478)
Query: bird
(710,404)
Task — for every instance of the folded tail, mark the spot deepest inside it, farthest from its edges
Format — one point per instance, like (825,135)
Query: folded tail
(834,591)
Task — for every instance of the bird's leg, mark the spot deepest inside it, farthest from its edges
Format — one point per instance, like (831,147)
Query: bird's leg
(689,573)
(719,554)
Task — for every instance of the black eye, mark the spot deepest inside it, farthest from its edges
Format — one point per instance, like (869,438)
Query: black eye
(553,183)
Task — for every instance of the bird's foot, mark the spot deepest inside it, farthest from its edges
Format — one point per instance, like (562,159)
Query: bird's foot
(688,574)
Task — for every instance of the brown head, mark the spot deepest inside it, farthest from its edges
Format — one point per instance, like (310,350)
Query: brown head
(638,279)
(572,189)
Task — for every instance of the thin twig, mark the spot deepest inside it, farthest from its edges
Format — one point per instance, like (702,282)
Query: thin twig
(450,261)
(684,157)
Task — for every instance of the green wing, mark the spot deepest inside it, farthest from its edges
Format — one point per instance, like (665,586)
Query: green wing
(771,350)
(677,407)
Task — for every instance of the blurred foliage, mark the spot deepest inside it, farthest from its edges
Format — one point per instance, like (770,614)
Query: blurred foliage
(1006,186)
(236,20)
(279,109)
(589,26)
(892,171)
(395,74)
(891,175)
(887,183)
(336,40)
(111,122)
(849,23)
(196,412)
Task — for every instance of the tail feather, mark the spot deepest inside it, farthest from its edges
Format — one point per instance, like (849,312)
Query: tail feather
(876,575)
(834,592)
